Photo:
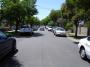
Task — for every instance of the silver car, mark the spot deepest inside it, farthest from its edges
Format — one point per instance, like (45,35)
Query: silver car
(59,31)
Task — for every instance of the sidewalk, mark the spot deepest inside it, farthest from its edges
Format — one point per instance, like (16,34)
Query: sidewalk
(71,37)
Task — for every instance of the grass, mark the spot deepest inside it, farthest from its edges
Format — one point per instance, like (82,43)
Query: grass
(71,34)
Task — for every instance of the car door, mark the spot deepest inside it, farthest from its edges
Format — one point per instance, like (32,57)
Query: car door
(5,45)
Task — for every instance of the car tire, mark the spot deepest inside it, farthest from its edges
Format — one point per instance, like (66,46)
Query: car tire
(82,53)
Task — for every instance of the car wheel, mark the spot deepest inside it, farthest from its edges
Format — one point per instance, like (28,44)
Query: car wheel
(82,53)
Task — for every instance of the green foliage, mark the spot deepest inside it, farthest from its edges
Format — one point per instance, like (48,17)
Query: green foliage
(17,11)
(55,14)
(84,4)
(87,24)
(34,20)
(51,23)
(45,21)
(69,25)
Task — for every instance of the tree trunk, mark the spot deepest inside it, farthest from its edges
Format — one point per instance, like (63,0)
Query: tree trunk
(88,32)
(17,24)
(76,31)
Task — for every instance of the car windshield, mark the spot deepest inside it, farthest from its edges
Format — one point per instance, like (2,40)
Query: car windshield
(61,29)
(25,26)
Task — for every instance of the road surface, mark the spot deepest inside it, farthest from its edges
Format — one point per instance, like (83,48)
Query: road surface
(43,49)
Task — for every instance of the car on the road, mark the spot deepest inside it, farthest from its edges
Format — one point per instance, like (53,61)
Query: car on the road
(25,29)
(53,28)
(59,31)
(49,28)
(35,27)
(84,48)
(7,46)
(41,29)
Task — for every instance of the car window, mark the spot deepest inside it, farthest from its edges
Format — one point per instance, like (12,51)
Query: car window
(60,29)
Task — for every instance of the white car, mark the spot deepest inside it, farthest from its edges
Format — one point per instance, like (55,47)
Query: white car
(58,31)
(49,28)
(25,29)
(84,47)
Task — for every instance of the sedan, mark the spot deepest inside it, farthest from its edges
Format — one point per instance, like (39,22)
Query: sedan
(25,30)
(84,48)
(41,29)
(49,28)
(7,46)
(58,31)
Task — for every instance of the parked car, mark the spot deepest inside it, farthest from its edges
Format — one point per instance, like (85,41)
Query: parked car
(25,30)
(49,28)
(84,47)
(7,46)
(58,31)
(35,27)
(53,28)
(41,29)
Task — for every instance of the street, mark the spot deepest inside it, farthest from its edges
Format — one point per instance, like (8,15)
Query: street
(43,49)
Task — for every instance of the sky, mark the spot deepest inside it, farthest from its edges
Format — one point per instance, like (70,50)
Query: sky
(45,6)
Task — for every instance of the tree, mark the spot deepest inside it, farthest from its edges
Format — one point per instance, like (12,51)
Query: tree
(84,4)
(51,23)
(14,10)
(45,21)
(54,15)
(33,21)
(73,13)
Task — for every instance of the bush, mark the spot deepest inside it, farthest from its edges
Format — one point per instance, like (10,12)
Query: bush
(69,25)
(87,24)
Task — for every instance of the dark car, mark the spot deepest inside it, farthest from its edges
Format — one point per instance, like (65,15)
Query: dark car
(42,29)
(7,46)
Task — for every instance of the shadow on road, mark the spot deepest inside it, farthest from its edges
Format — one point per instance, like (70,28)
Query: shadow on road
(62,36)
(36,34)
(78,37)
(76,42)
(87,60)
(10,62)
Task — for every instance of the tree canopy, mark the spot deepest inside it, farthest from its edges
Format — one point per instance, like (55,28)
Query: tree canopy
(17,10)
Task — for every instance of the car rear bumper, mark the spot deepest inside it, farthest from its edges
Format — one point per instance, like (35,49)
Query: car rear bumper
(59,34)
(26,33)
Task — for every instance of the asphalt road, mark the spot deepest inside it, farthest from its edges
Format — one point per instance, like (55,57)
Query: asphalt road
(43,49)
